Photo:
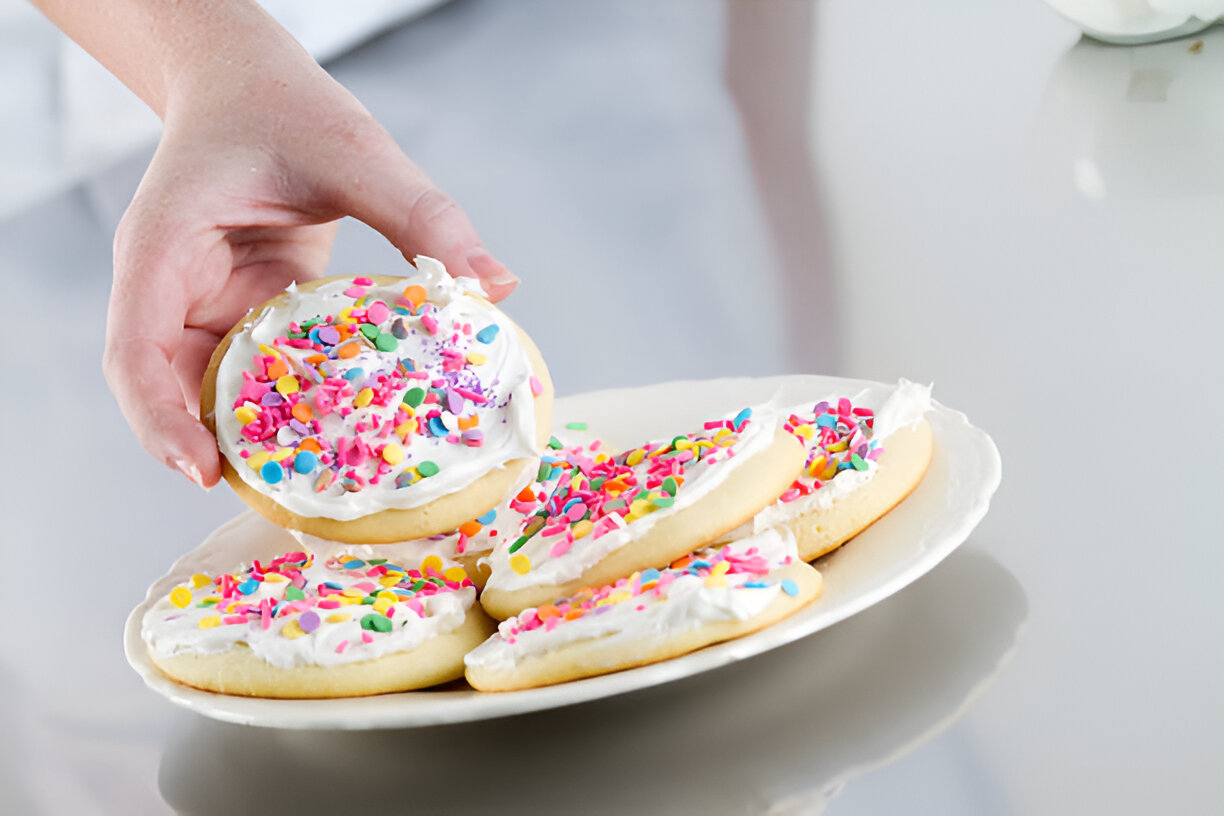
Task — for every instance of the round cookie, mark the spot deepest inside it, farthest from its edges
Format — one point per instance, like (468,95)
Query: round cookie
(300,627)
(861,462)
(711,595)
(475,539)
(643,509)
(374,410)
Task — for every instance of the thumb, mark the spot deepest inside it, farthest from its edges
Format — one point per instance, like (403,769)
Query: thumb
(396,198)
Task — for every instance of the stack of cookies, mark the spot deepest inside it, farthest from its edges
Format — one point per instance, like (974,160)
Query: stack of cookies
(400,427)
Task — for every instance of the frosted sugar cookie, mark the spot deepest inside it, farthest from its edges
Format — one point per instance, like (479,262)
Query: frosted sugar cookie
(475,539)
(865,453)
(642,509)
(373,410)
(711,595)
(308,626)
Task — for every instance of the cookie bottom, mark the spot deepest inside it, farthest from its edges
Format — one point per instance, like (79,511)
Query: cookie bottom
(589,658)
(238,671)
(907,454)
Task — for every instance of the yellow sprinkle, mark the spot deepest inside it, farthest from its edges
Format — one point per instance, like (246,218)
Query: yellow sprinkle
(382,605)
(268,351)
(338,617)
(703,443)
(257,460)
(635,457)
(520,564)
(392,454)
(282,454)
(387,595)
(344,314)
(431,562)
(641,507)
(209,622)
(830,471)
(292,629)
(388,580)
(352,593)
(211,599)
(727,441)
(454,574)
(274,577)
(363,397)
(200,580)
(684,444)
(576,482)
(839,446)
(715,581)
(180,597)
(476,358)
(804,432)
(245,414)
(722,433)
(405,428)
(817,466)
(287,385)
(601,458)
(620,595)
(720,568)
(582,528)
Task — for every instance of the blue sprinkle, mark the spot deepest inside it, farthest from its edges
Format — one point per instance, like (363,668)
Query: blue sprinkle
(649,575)
(555,473)
(277,608)
(756,584)
(550,459)
(741,418)
(272,472)
(846,465)
(333,585)
(354,373)
(402,310)
(436,427)
(700,564)
(305,461)
(565,507)
(407,364)
(826,421)
(487,334)
(314,335)
(248,586)
(487,517)
(790,587)
(355,563)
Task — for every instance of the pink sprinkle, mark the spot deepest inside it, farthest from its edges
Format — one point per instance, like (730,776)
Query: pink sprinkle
(709,426)
(355,291)
(329,604)
(472,395)
(537,388)
(230,619)
(416,375)
(366,637)
(429,323)
(363,281)
(364,586)
(559,549)
(341,646)
(377,312)
(789,496)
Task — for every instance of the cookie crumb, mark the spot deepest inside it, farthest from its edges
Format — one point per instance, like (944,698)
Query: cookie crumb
(1195,47)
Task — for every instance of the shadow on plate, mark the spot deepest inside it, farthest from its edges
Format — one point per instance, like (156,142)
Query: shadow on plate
(791,725)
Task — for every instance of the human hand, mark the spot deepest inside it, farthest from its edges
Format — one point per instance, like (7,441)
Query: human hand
(255,165)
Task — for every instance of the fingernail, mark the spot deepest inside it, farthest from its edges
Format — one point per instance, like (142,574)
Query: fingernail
(489,270)
(190,471)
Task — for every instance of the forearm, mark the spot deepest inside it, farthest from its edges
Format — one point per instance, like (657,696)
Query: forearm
(165,49)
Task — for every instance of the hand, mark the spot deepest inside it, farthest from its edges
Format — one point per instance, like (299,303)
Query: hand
(241,198)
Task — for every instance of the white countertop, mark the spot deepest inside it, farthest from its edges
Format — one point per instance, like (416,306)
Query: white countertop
(981,200)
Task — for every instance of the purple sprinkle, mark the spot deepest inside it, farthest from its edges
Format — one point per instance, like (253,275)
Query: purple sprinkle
(271,399)
(309,621)
(329,335)
(454,402)
(821,407)
(300,427)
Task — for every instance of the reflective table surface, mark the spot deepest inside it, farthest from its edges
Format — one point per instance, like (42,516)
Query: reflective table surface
(966,194)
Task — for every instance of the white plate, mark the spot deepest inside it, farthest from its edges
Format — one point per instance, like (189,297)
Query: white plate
(919,533)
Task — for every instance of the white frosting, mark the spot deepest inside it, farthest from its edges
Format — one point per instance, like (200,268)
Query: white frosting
(895,407)
(685,603)
(507,421)
(169,630)
(703,477)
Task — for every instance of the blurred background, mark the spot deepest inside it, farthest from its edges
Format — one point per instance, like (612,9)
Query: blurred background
(957,192)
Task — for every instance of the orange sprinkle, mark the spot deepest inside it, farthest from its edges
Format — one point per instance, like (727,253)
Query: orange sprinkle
(348,351)
(416,294)
(471,528)
(302,412)
(547,611)
(315,359)
(525,495)
(310,445)
(277,369)
(466,423)
(573,614)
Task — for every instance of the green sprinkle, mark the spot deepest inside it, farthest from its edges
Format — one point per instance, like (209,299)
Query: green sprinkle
(369,600)
(663,501)
(419,584)
(414,397)
(576,426)
(616,504)
(518,543)
(377,622)
(672,446)
(555,443)
(669,486)
(385,342)
(598,482)
(858,462)
(374,562)
(294,594)
(208,602)
(542,473)
(369,330)
(428,468)
(310,324)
